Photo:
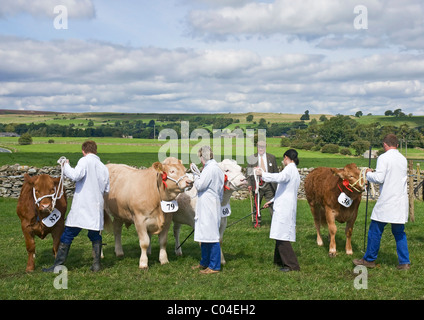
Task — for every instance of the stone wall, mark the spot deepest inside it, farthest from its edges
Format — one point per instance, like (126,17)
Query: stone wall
(12,178)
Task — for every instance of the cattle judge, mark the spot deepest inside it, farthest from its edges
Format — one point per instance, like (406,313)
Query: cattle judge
(210,188)
(391,206)
(92,181)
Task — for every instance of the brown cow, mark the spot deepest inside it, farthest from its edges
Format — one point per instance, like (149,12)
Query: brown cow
(35,204)
(135,197)
(323,187)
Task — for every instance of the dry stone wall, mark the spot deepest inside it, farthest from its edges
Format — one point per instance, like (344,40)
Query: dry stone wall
(12,179)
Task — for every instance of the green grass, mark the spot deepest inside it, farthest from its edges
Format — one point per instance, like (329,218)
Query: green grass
(249,273)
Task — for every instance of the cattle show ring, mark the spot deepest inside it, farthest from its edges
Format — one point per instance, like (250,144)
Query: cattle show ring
(148,249)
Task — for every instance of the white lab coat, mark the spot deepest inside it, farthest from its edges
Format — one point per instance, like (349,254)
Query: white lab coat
(210,190)
(92,181)
(391,175)
(283,224)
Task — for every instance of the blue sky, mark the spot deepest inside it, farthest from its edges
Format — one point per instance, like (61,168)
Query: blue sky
(213,56)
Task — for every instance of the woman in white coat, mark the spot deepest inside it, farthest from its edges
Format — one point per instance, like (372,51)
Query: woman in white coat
(283,224)
(210,189)
(92,181)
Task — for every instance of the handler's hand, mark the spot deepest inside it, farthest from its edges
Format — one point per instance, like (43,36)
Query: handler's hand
(266,205)
(258,171)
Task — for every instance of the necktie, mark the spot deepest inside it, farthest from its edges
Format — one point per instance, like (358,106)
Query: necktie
(263,163)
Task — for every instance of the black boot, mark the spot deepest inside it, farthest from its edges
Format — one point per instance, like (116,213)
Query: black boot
(97,248)
(62,254)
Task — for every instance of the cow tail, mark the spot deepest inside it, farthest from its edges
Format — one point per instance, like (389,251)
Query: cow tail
(108,226)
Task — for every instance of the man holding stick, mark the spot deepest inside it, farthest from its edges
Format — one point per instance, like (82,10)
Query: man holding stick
(391,206)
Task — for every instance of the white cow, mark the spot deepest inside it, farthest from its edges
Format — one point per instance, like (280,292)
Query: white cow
(187,203)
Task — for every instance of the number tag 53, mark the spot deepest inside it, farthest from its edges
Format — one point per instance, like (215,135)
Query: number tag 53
(169,206)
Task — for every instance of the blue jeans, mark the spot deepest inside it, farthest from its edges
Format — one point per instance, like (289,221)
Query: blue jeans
(211,255)
(70,233)
(374,236)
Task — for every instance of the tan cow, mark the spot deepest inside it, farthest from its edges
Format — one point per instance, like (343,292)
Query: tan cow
(323,187)
(187,203)
(135,197)
(40,195)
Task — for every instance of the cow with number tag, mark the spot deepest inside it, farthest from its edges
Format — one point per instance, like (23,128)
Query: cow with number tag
(144,197)
(187,203)
(334,195)
(41,209)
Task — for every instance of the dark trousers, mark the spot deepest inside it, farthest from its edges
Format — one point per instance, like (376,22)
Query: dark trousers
(284,255)
(268,192)
(70,233)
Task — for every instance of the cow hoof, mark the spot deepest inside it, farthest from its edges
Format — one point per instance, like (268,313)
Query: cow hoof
(349,252)
(145,268)
(332,254)
(164,262)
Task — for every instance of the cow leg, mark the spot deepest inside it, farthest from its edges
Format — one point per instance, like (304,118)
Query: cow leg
(144,240)
(349,231)
(117,232)
(316,213)
(177,229)
(30,247)
(163,239)
(222,227)
(332,229)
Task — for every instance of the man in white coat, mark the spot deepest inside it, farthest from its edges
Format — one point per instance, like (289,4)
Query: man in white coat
(92,181)
(391,206)
(210,189)
(283,224)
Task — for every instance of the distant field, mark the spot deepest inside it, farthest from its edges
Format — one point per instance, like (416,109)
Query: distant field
(142,152)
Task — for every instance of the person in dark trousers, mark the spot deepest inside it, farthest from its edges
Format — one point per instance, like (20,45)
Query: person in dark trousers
(92,181)
(283,224)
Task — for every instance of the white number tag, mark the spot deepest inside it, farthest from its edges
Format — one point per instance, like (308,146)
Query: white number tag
(344,200)
(225,211)
(53,217)
(169,206)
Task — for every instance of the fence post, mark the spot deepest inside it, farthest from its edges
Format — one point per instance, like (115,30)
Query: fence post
(411,191)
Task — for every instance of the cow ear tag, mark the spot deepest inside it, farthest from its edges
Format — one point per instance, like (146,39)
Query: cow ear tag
(344,200)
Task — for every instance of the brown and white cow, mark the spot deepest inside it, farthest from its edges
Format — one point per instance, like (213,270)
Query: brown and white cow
(323,187)
(135,197)
(187,203)
(35,204)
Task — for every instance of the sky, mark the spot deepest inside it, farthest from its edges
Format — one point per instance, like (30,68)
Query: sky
(175,56)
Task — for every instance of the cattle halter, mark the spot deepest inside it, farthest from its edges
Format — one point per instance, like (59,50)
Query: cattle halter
(58,193)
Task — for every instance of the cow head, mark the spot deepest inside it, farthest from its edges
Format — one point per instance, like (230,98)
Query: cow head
(232,170)
(352,177)
(173,175)
(43,189)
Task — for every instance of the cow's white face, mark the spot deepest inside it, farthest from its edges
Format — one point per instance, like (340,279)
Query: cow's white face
(236,179)
(176,174)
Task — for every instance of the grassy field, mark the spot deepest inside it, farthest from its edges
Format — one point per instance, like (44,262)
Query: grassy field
(248,274)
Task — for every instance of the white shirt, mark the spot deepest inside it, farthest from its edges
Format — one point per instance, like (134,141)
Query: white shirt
(283,224)
(210,190)
(92,181)
(391,175)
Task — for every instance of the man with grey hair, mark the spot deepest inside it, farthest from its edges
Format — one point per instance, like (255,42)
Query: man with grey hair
(210,189)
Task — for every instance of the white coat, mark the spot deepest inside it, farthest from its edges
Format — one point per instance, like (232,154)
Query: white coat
(391,175)
(283,224)
(210,190)
(92,181)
